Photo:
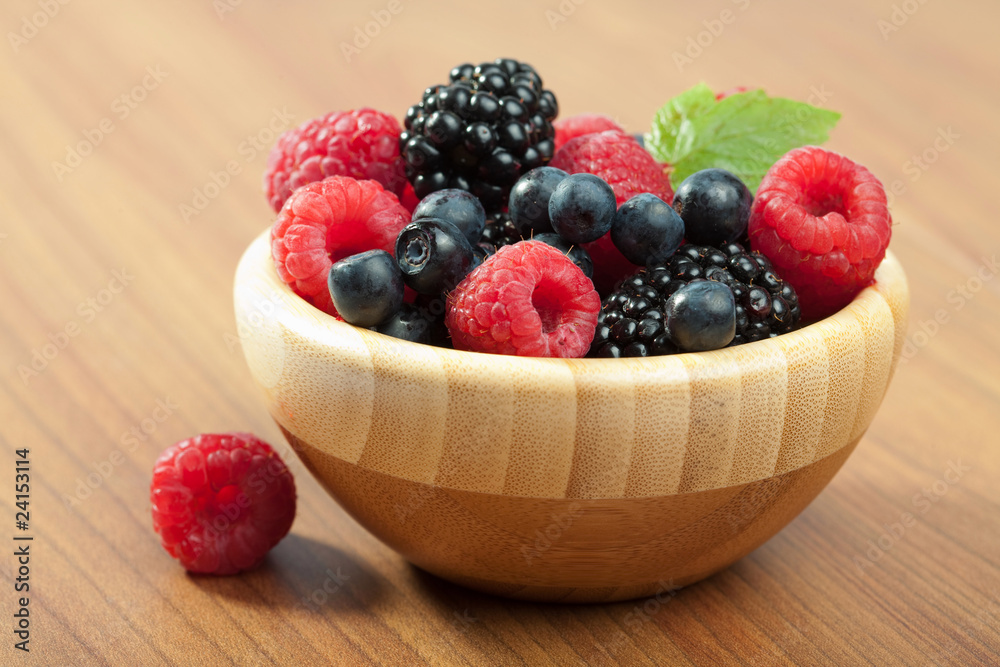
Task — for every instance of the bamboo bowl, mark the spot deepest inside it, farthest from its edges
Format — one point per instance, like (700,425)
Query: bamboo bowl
(569,480)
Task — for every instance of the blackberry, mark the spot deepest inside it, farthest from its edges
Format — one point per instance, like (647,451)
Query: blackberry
(480,131)
(632,321)
(500,230)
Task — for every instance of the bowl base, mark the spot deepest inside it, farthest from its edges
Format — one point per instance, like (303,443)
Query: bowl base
(569,549)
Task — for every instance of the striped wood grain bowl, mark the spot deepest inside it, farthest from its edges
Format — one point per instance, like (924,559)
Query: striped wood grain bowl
(571,480)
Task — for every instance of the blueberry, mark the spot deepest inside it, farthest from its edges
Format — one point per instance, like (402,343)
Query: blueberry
(715,207)
(701,316)
(434,255)
(460,208)
(417,325)
(646,230)
(582,208)
(366,288)
(528,204)
(576,253)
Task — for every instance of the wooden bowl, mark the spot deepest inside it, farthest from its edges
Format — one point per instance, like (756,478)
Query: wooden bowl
(569,480)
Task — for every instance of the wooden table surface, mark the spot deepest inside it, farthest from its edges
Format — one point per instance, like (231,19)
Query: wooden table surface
(119,235)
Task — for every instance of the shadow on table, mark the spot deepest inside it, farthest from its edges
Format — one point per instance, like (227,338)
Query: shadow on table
(304,574)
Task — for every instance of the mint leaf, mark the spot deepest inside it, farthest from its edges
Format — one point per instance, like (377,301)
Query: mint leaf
(745,133)
(671,135)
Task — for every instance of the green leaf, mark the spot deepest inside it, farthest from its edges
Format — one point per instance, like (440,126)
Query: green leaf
(671,135)
(745,133)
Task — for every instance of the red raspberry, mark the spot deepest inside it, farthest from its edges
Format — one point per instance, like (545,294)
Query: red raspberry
(581,124)
(362,144)
(629,169)
(221,501)
(528,299)
(824,222)
(326,221)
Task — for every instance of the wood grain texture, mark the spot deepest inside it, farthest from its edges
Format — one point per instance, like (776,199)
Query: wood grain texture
(894,563)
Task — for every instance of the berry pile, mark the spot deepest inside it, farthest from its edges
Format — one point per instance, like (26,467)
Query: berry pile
(670,306)
(525,222)
(479,132)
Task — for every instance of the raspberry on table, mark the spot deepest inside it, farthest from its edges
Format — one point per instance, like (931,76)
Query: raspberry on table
(328,220)
(581,124)
(528,299)
(221,501)
(824,222)
(362,144)
(629,170)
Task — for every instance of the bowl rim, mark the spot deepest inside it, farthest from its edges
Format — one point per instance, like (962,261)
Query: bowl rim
(890,279)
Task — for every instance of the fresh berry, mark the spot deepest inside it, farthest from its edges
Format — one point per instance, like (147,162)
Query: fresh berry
(417,324)
(824,222)
(500,231)
(714,205)
(582,208)
(618,159)
(632,322)
(433,255)
(362,144)
(479,132)
(647,230)
(459,207)
(221,501)
(528,299)
(366,288)
(581,124)
(528,204)
(576,253)
(328,220)
(628,169)
(701,316)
